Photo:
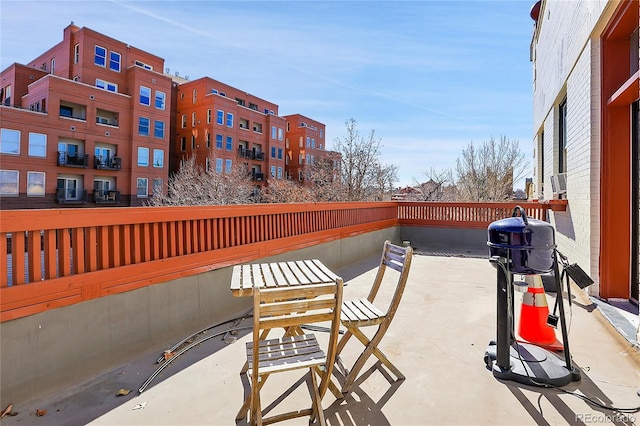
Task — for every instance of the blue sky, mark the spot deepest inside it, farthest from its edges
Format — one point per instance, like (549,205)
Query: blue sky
(427,76)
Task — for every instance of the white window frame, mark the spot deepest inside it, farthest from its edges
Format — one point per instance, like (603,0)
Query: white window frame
(76,53)
(32,176)
(279,172)
(142,183)
(155,129)
(229,119)
(106,85)
(33,144)
(273,171)
(140,127)
(115,62)
(143,156)
(160,98)
(146,96)
(95,56)
(7,143)
(158,158)
(220,117)
(9,186)
(218,165)
(228,165)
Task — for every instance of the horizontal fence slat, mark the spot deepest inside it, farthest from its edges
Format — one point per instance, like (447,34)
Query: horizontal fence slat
(104,251)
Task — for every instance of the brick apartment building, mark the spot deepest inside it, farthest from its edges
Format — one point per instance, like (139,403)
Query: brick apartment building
(85,123)
(236,127)
(94,121)
(305,144)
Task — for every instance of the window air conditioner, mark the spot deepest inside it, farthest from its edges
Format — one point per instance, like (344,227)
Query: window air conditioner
(559,184)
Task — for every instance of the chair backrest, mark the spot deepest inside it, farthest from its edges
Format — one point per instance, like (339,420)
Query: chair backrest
(399,259)
(295,306)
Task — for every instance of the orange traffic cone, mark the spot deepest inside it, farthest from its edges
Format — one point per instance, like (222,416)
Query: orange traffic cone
(534,312)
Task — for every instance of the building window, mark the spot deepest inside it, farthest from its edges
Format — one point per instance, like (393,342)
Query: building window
(157,186)
(37,145)
(184,121)
(313,143)
(220,117)
(273,171)
(208,139)
(219,141)
(71,188)
(257,127)
(105,85)
(100,56)
(279,172)
(279,153)
(158,158)
(143,157)
(143,126)
(193,142)
(145,96)
(308,158)
(158,129)
(228,164)
(142,187)
(218,165)
(35,184)
(195,95)
(308,142)
(193,119)
(562,137)
(53,66)
(114,61)
(321,133)
(183,143)
(280,134)
(8,182)
(208,116)
(229,145)
(143,65)
(9,141)
(274,132)
(76,53)
(229,119)
(273,152)
(160,99)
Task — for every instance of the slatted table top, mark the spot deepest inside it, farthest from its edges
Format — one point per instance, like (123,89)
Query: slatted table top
(279,274)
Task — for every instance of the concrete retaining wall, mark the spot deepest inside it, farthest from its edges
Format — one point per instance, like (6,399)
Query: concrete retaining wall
(62,348)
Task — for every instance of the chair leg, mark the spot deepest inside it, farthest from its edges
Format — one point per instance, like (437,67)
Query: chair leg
(316,408)
(247,404)
(370,348)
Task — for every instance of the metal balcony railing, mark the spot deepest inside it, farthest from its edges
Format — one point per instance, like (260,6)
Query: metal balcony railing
(110,196)
(72,160)
(107,163)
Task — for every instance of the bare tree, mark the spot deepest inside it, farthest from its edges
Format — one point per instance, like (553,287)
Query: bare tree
(192,185)
(286,191)
(362,172)
(325,177)
(487,172)
(438,187)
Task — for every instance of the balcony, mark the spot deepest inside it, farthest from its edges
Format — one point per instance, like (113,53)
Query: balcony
(71,196)
(251,154)
(136,281)
(72,160)
(107,163)
(73,110)
(257,176)
(111,196)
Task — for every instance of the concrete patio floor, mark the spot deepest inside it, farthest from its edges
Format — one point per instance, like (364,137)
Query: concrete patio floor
(438,339)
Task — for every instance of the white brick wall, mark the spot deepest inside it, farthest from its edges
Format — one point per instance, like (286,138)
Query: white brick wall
(567,63)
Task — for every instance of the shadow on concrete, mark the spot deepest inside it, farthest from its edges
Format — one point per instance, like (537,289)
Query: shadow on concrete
(593,397)
(99,396)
